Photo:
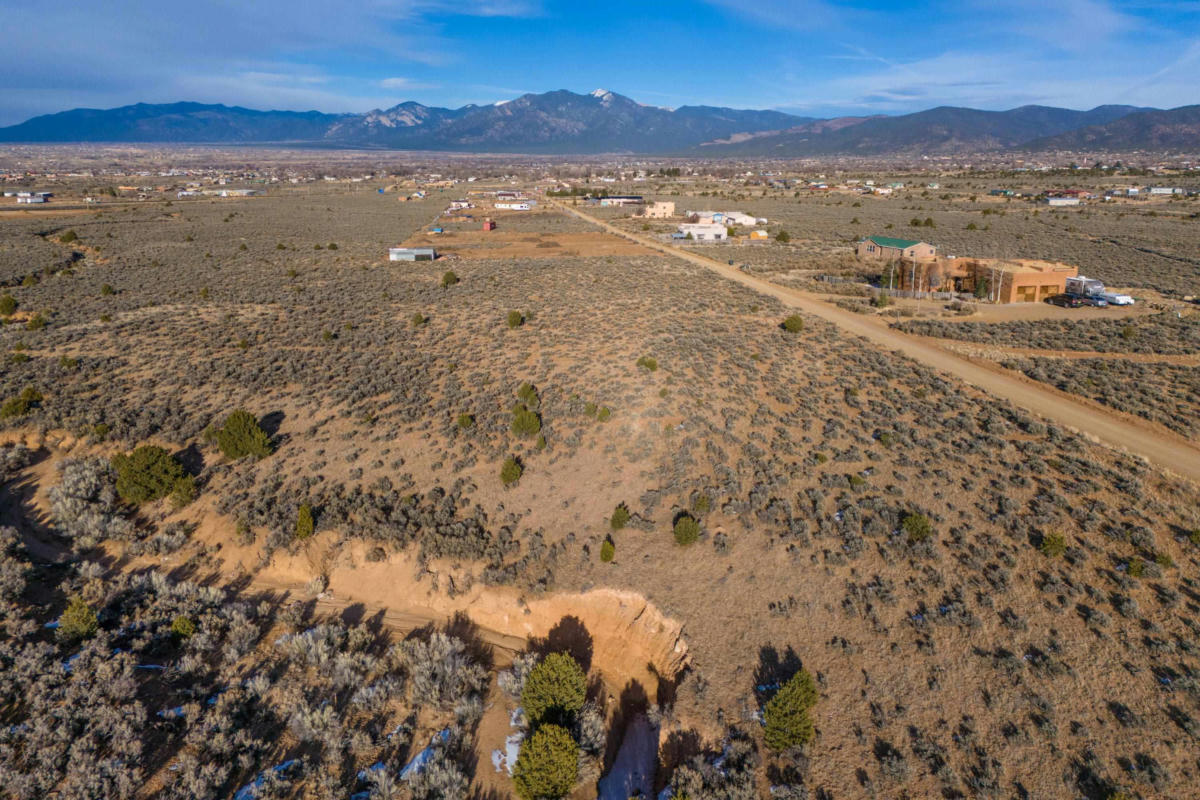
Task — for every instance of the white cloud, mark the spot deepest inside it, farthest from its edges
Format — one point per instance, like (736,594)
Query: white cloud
(405,84)
(1075,25)
(165,50)
(999,81)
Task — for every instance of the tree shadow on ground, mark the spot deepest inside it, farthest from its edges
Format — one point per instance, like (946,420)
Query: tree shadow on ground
(191,458)
(679,748)
(461,627)
(774,670)
(271,423)
(568,636)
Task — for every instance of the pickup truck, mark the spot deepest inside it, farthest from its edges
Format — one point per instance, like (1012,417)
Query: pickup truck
(1115,299)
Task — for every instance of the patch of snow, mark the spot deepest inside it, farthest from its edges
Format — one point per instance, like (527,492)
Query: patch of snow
(421,759)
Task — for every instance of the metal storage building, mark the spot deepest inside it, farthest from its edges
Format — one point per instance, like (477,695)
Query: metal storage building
(411,254)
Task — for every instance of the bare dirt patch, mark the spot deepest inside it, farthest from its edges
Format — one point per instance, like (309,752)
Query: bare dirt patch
(497,244)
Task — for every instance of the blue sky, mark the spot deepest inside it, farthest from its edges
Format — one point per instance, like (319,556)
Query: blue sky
(810,57)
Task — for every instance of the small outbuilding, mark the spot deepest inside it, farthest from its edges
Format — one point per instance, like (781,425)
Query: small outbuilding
(411,254)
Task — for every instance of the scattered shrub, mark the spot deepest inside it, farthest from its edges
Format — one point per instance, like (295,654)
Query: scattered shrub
(687,530)
(22,404)
(648,362)
(515,319)
(786,716)
(36,322)
(1053,544)
(304,522)
(419,319)
(917,527)
(604,414)
(511,471)
(554,690)
(608,551)
(465,421)
(242,436)
(619,518)
(150,473)
(783,236)
(182,627)
(449,279)
(547,765)
(8,305)
(107,290)
(794,323)
(78,622)
(525,423)
(68,237)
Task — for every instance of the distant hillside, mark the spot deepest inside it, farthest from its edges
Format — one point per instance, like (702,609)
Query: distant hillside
(1177,129)
(567,123)
(936,131)
(172,123)
(554,122)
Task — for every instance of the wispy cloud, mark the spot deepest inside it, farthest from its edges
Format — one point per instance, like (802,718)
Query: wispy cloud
(405,84)
(1077,25)
(802,15)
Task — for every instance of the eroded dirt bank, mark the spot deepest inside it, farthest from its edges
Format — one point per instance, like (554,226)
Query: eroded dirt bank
(625,638)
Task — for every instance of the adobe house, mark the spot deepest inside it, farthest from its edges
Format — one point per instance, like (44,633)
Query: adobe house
(1002,280)
(885,248)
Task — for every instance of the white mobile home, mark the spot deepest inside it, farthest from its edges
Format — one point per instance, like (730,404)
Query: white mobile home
(701,232)
(514,206)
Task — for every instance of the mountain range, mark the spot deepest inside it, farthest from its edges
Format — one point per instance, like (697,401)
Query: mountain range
(563,122)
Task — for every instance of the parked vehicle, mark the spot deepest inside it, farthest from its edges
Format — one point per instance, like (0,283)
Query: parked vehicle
(1115,299)
(1091,300)
(1065,300)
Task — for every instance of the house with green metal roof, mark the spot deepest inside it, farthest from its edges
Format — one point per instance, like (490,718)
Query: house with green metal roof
(885,248)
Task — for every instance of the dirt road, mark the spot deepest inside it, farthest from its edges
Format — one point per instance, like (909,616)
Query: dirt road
(1172,453)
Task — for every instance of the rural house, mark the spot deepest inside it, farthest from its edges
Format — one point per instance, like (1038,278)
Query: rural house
(660,210)
(702,232)
(621,200)
(886,248)
(1000,280)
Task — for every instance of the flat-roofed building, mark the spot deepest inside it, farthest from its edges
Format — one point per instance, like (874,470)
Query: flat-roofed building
(411,254)
(1020,280)
(702,232)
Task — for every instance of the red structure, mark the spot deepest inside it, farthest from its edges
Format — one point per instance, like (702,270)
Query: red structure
(489,225)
